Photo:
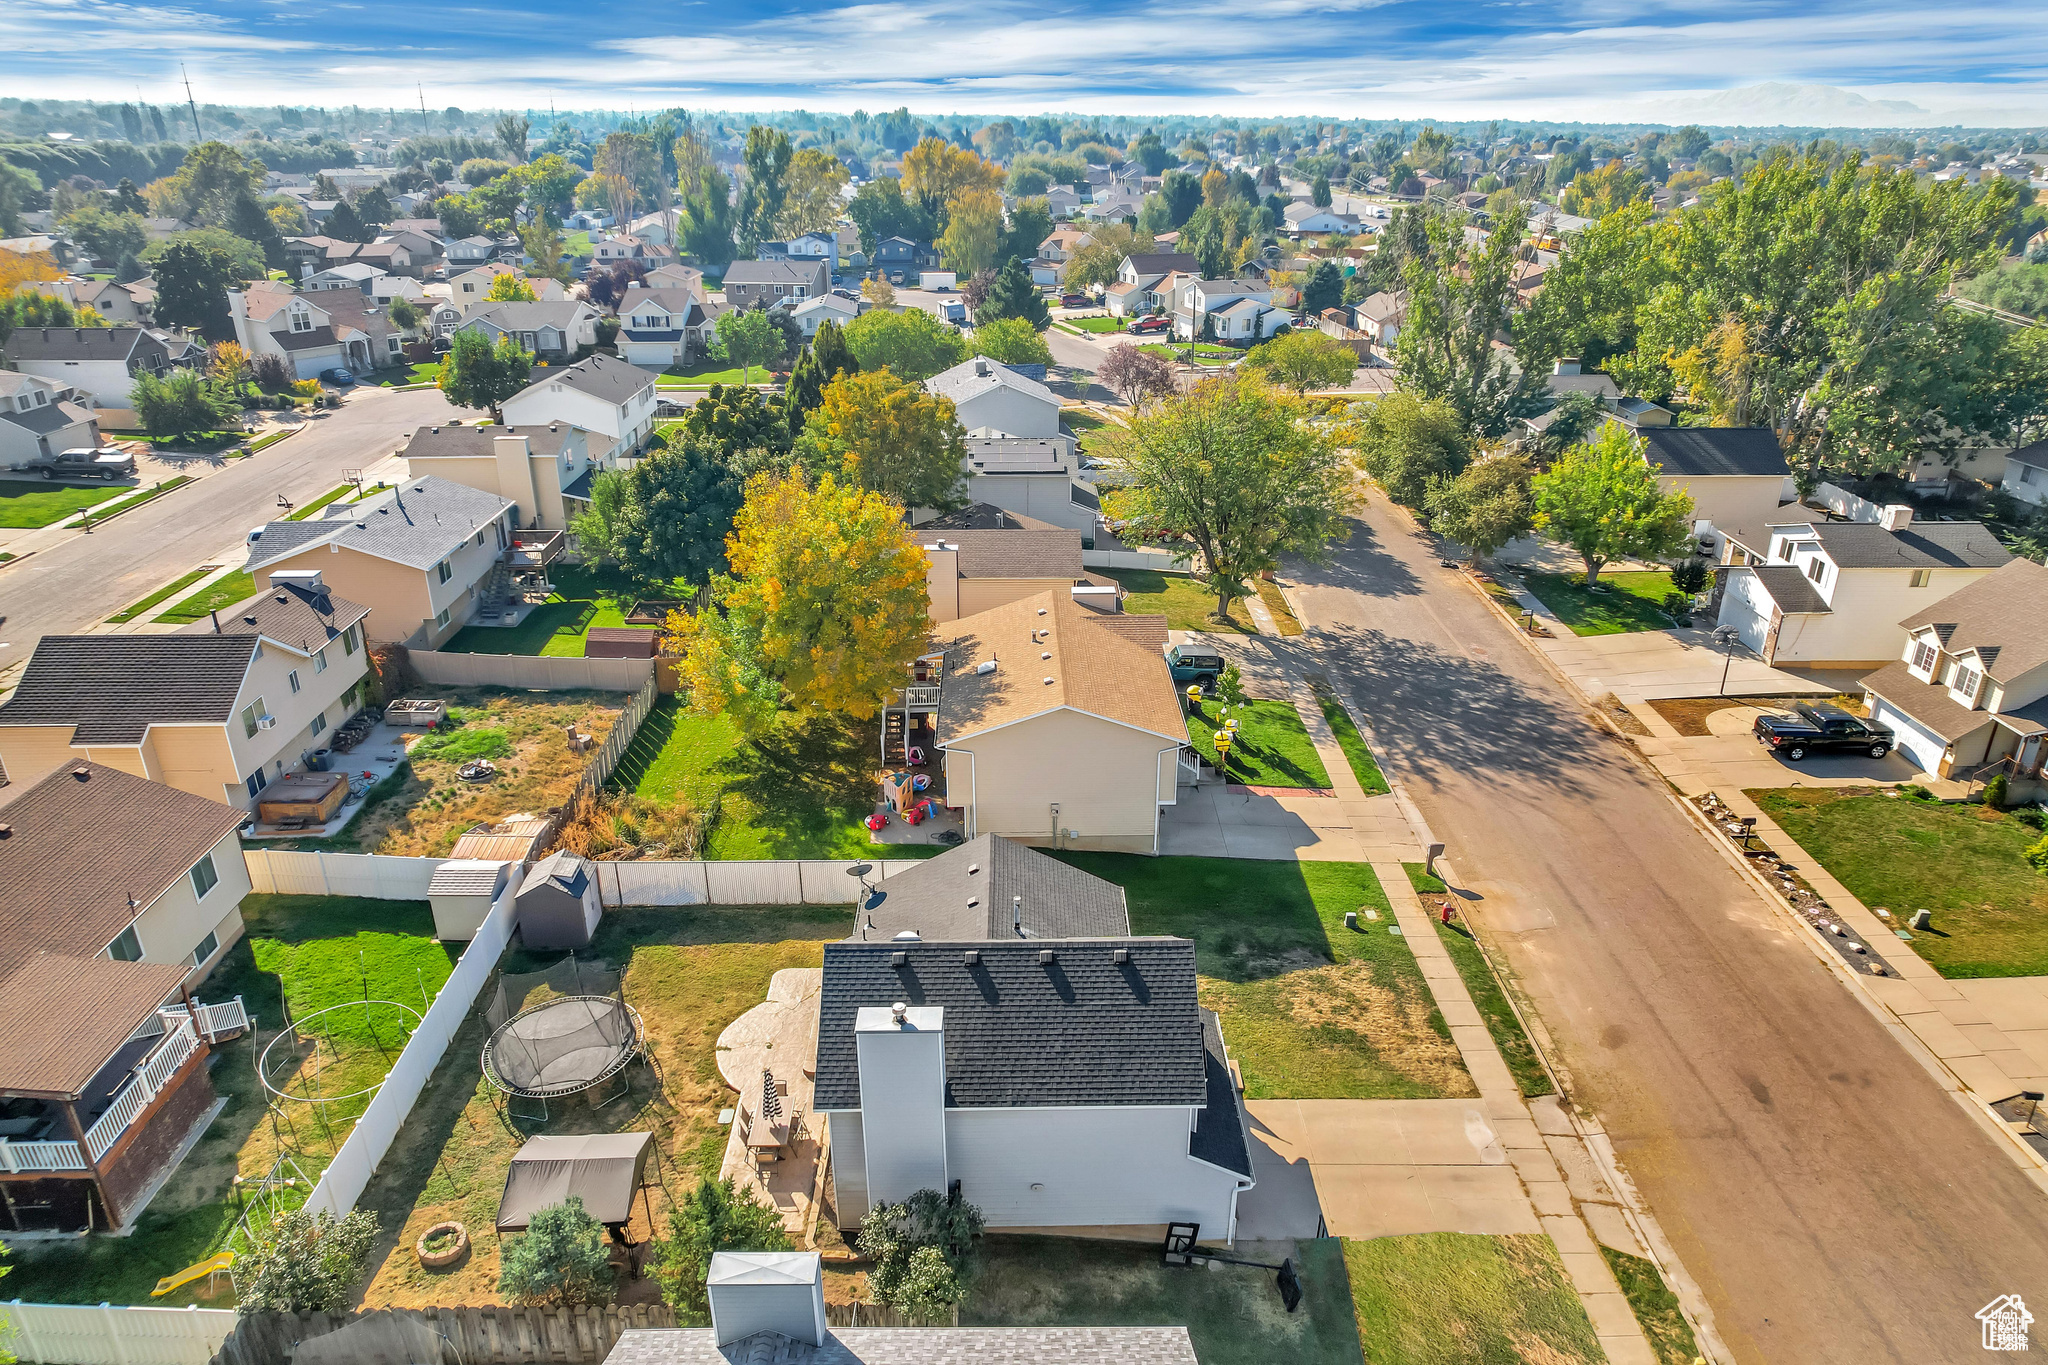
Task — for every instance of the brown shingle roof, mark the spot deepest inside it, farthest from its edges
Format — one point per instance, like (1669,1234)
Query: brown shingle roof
(63,1017)
(1097,671)
(1014,553)
(1147,631)
(305,621)
(76,849)
(2005,611)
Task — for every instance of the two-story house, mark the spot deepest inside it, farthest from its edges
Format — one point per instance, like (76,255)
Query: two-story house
(315,332)
(990,398)
(1033,477)
(423,557)
(1227,310)
(552,332)
(99,364)
(1061,244)
(1970,697)
(118,895)
(775,284)
(39,418)
(1114,204)
(810,246)
(1830,594)
(664,327)
(120,304)
(611,251)
(902,258)
(220,710)
(1137,290)
(466,253)
(607,397)
(543,471)
(1736,477)
(675,277)
(2026,474)
(470,286)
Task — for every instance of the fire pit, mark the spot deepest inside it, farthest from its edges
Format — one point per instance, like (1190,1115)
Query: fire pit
(477,770)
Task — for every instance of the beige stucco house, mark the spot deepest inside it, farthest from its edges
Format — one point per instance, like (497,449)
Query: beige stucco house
(984,557)
(1736,477)
(1058,728)
(543,471)
(217,713)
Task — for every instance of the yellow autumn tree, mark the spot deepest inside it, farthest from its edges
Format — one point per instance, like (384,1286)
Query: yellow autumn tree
(974,231)
(511,288)
(934,171)
(825,607)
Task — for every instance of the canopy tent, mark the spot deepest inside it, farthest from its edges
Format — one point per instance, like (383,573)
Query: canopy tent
(603,1168)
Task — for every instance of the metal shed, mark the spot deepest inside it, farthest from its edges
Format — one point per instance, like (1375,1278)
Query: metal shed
(558,905)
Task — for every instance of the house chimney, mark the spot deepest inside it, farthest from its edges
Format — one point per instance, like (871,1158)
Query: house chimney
(1017,915)
(981,367)
(901,1050)
(1896,517)
(766,1291)
(1566,365)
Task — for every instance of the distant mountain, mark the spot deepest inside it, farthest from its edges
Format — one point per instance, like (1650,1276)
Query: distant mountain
(1776,103)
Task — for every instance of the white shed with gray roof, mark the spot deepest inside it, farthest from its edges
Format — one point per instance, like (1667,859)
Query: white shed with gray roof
(461,894)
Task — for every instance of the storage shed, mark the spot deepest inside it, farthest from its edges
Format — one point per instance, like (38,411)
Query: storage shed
(619,642)
(462,892)
(558,903)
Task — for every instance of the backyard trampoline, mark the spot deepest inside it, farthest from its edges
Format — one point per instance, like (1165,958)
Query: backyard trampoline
(562,1047)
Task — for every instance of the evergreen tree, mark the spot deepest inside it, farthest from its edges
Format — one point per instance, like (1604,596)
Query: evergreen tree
(344,226)
(192,284)
(1014,296)
(247,219)
(1325,288)
(834,356)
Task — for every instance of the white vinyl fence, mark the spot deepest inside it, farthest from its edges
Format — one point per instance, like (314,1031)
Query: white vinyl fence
(1843,503)
(529,670)
(794,882)
(342,1183)
(378,875)
(65,1334)
(1159,561)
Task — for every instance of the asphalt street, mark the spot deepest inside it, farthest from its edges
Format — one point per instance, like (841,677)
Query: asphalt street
(71,586)
(1833,1202)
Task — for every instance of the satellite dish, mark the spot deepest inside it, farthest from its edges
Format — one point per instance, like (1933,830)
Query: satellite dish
(860,869)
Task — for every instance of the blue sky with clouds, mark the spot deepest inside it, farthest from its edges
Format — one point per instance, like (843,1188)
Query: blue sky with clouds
(1660,60)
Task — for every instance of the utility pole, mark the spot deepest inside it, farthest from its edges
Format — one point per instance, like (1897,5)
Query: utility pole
(191,103)
(424,128)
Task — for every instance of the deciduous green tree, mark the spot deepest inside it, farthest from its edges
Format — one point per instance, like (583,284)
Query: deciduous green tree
(974,230)
(704,224)
(889,436)
(677,512)
(1602,499)
(560,1260)
(477,374)
(1485,507)
(1304,359)
(747,337)
(1013,341)
(1408,443)
(192,284)
(913,343)
(923,1251)
(306,1264)
(181,402)
(880,210)
(766,187)
(1459,299)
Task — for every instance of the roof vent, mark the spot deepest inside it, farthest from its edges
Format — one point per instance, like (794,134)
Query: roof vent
(972,957)
(899,1012)
(1043,654)
(909,936)
(973,868)
(1120,956)
(985,667)
(973,901)
(1041,611)
(82,773)
(899,959)
(1048,680)
(6,831)
(1045,957)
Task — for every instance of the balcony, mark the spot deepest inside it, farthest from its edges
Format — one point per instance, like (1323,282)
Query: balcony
(532,551)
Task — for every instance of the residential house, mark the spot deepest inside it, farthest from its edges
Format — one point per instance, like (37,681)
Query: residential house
(664,327)
(122,304)
(675,277)
(1057,724)
(611,251)
(1380,318)
(422,246)
(423,557)
(1142,282)
(812,314)
(117,895)
(1065,240)
(988,395)
(1062,200)
(543,471)
(1935,470)
(1970,696)
(356,275)
(607,397)
(900,258)
(1736,477)
(588,220)
(1303,218)
(1830,594)
(1113,205)
(99,364)
(472,285)
(221,709)
(811,246)
(1569,376)
(315,332)
(40,418)
(648,227)
(769,1306)
(553,332)
(2026,474)
(1064,1079)
(1228,310)
(465,253)
(983,556)
(1032,477)
(775,284)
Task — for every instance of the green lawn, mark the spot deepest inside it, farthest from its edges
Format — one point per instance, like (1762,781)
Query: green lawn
(1233,1313)
(1080,421)
(331,495)
(27,504)
(704,376)
(1098,325)
(1450,1298)
(1488,997)
(1356,753)
(1311,1009)
(1962,862)
(239,586)
(799,792)
(1655,1307)
(559,627)
(1623,601)
(167,591)
(1205,353)
(1181,598)
(426,372)
(1272,749)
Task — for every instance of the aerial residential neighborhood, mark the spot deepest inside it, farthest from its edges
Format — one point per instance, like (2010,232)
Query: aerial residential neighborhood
(639,733)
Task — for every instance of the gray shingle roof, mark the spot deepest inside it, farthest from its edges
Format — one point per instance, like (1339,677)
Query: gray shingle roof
(914,1346)
(1080,1030)
(1790,589)
(290,615)
(2035,455)
(1162,262)
(461,440)
(601,376)
(1927,703)
(1922,545)
(1696,452)
(1219,1136)
(782,271)
(518,315)
(971,893)
(977,375)
(50,417)
(114,687)
(417,524)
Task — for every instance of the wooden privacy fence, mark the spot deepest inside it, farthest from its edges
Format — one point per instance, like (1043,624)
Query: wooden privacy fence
(529,671)
(69,1334)
(467,1336)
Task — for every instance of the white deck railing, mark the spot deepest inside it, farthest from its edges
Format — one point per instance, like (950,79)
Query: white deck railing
(215,1021)
(40,1156)
(180,1042)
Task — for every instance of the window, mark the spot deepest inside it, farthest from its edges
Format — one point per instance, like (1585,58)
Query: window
(319,722)
(1924,656)
(442,572)
(126,948)
(293,678)
(257,782)
(1919,578)
(249,724)
(348,698)
(205,949)
(1785,550)
(1964,681)
(2028,473)
(348,641)
(441,617)
(1816,567)
(479,537)
(397,346)
(204,878)
(320,661)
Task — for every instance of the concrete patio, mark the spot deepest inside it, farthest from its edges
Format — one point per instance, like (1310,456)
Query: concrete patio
(379,754)
(779,1035)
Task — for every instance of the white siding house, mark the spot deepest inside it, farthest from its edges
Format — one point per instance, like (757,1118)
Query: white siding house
(609,398)
(992,397)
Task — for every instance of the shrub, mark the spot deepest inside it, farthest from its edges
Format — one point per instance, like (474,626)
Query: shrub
(1679,605)
(923,1251)
(2037,855)
(1689,575)
(560,1260)
(1995,791)
(307,1264)
(715,1216)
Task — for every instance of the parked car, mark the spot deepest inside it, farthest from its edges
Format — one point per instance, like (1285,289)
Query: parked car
(338,376)
(85,462)
(1073,300)
(1146,325)
(1188,665)
(1816,727)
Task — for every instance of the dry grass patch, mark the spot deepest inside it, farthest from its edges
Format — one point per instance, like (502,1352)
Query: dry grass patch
(1688,715)
(1625,720)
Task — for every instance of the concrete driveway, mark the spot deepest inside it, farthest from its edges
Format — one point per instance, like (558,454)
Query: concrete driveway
(1638,665)
(1730,759)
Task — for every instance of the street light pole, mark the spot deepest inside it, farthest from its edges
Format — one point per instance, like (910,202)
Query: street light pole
(1724,636)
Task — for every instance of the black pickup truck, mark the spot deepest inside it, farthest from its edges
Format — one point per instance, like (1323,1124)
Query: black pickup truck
(1820,728)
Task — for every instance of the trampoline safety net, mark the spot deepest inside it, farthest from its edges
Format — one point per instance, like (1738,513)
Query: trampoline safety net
(546,1043)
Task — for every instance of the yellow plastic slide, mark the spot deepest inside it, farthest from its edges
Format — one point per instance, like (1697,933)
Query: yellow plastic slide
(212,1265)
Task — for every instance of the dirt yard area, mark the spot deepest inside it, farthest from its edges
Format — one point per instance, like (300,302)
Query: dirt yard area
(1688,715)
(424,807)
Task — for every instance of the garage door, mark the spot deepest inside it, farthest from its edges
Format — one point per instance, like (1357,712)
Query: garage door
(1920,745)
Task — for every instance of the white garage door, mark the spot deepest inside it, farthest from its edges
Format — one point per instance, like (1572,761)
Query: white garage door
(1920,745)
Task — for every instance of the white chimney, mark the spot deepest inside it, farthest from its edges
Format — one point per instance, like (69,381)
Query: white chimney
(766,1291)
(981,367)
(1896,517)
(902,1054)
(1568,365)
